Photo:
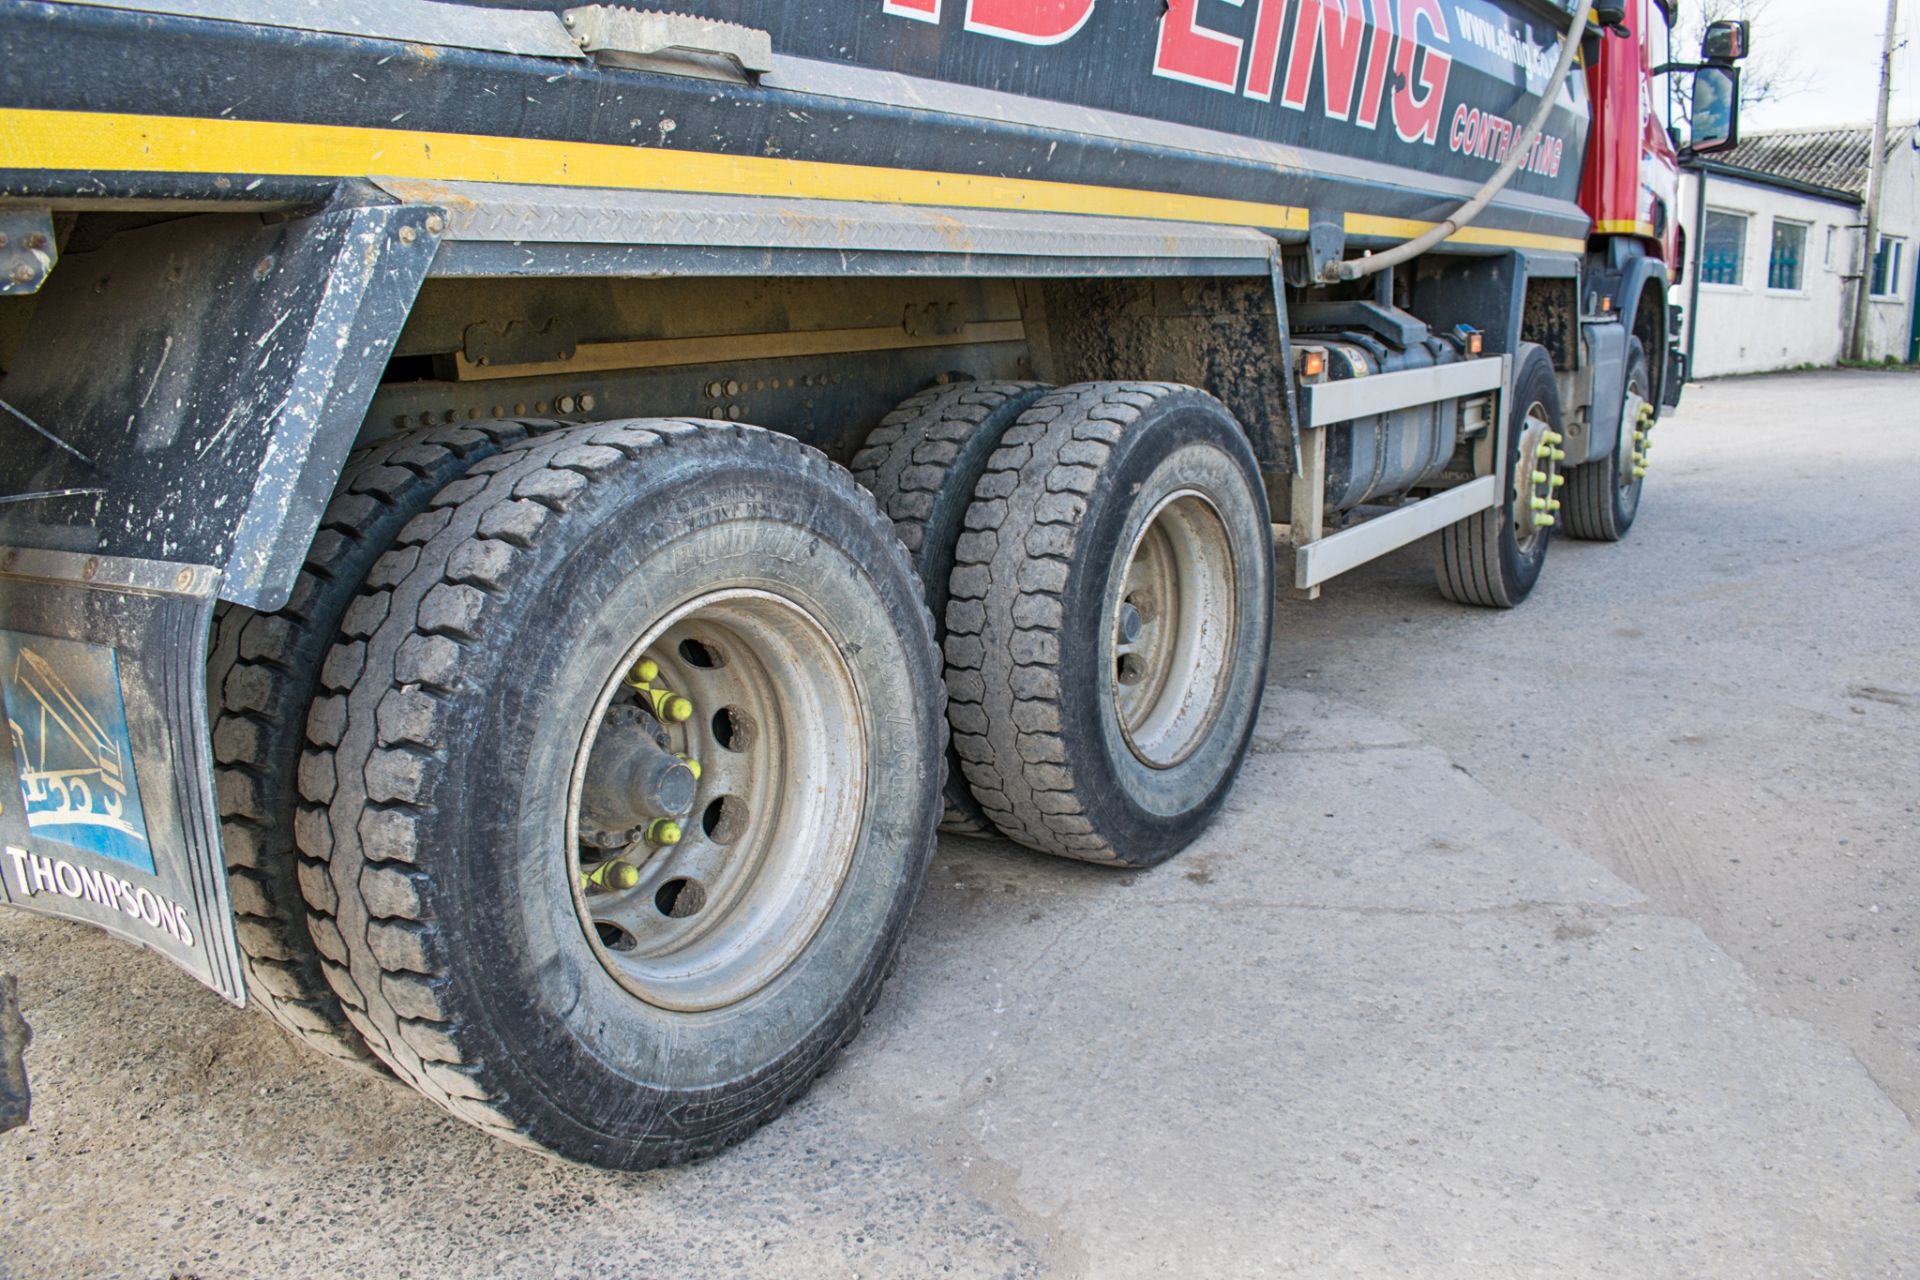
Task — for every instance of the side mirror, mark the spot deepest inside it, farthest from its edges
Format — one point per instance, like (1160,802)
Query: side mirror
(1716,110)
(1726,41)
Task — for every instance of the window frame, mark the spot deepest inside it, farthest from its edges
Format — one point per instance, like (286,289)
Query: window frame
(1739,283)
(1799,288)
(1896,269)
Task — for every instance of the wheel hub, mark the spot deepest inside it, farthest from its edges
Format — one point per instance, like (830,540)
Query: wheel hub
(1636,429)
(1536,486)
(717,800)
(1173,630)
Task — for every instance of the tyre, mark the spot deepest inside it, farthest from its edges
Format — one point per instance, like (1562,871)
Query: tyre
(1107,632)
(261,675)
(623,787)
(921,464)
(1494,557)
(1603,496)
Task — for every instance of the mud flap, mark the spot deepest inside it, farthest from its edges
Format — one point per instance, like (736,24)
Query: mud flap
(106,771)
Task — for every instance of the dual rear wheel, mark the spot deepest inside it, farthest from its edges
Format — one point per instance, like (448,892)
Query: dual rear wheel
(618,773)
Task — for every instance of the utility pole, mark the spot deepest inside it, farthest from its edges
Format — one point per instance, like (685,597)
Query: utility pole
(1876,180)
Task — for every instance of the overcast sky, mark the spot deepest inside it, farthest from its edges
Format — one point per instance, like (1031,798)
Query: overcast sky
(1835,45)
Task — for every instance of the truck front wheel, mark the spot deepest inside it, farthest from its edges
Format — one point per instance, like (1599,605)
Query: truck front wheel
(1603,496)
(1494,557)
(625,788)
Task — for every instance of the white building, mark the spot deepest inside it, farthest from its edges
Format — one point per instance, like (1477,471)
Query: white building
(1776,253)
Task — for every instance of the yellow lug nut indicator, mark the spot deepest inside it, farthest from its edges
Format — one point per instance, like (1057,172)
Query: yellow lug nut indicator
(692,765)
(669,706)
(612,876)
(663,831)
(1539,477)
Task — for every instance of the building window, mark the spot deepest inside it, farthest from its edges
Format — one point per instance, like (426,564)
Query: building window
(1723,249)
(1887,266)
(1786,260)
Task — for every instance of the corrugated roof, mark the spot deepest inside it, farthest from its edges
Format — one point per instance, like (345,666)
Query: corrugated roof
(1831,157)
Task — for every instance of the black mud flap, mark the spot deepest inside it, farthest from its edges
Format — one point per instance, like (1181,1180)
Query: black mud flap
(1677,373)
(106,773)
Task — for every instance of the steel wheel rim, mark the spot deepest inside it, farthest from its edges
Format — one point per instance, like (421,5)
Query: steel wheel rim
(1634,420)
(777,728)
(1172,630)
(1538,466)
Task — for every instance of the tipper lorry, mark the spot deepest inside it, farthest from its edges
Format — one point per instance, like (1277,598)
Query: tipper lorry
(519,521)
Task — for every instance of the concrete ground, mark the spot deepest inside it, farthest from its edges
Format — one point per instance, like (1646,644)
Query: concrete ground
(1573,941)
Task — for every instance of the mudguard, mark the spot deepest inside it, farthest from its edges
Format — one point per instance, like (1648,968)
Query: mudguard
(178,413)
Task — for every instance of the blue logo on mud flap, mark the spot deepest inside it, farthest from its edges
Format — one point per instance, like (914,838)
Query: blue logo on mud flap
(69,730)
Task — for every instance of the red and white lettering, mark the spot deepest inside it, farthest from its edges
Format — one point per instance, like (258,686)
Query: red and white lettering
(1263,59)
(918,10)
(1195,54)
(1336,35)
(1028,21)
(1417,109)
(1373,90)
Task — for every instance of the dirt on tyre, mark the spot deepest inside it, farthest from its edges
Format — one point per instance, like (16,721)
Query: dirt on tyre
(603,623)
(261,676)
(1494,557)
(1111,603)
(921,464)
(1603,496)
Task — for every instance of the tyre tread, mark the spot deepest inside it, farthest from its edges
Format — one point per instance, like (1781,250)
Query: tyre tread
(360,879)
(1018,764)
(918,451)
(261,680)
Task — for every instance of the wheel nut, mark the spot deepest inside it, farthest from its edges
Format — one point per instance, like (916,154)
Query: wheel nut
(1539,504)
(663,831)
(669,705)
(1539,477)
(1545,522)
(613,876)
(1559,481)
(1130,623)
(644,673)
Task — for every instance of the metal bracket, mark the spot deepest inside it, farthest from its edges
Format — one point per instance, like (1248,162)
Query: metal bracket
(27,250)
(623,37)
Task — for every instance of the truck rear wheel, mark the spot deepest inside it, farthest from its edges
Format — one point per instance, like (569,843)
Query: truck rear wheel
(921,464)
(625,787)
(1494,557)
(1107,632)
(261,676)
(1603,496)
